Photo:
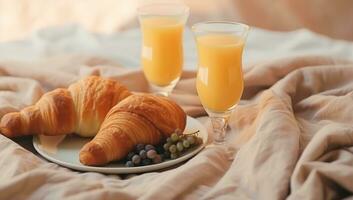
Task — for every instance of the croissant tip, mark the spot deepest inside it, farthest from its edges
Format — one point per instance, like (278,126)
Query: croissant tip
(87,158)
(92,155)
(6,132)
(10,125)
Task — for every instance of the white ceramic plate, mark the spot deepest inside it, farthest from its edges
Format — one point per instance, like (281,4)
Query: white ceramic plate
(64,150)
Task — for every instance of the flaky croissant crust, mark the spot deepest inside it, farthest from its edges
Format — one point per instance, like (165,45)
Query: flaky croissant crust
(140,118)
(79,109)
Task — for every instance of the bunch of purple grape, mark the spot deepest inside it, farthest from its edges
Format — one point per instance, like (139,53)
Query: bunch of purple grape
(143,155)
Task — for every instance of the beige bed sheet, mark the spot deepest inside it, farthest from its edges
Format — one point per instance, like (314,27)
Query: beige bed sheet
(294,126)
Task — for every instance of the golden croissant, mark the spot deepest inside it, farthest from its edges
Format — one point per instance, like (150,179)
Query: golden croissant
(140,118)
(79,109)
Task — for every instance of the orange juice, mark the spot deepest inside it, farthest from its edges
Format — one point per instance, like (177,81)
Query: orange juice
(219,78)
(162,52)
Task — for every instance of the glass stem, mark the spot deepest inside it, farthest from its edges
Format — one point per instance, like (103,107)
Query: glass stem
(219,125)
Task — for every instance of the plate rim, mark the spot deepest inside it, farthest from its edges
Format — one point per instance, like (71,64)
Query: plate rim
(125,170)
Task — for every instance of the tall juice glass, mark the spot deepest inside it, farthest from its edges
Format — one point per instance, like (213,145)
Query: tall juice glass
(162,26)
(219,77)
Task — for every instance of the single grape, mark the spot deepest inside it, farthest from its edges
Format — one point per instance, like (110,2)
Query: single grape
(136,159)
(157,159)
(166,146)
(129,164)
(180,146)
(169,140)
(174,156)
(186,144)
(191,139)
(146,161)
(172,148)
(175,137)
(151,153)
(140,147)
(143,154)
(149,147)
(130,155)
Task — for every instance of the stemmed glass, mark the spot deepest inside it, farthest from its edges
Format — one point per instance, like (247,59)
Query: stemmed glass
(162,26)
(219,77)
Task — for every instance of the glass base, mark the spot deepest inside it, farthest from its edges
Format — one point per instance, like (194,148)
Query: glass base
(219,122)
(220,132)
(163,90)
(219,140)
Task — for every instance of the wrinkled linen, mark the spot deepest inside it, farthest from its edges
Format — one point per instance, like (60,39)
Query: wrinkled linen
(293,130)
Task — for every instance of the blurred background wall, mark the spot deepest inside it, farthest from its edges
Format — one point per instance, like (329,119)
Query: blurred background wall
(19,18)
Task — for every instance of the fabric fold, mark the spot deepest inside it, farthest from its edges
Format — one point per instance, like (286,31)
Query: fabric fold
(293,130)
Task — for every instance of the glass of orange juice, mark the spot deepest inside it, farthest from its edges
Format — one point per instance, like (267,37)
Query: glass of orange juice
(219,79)
(162,26)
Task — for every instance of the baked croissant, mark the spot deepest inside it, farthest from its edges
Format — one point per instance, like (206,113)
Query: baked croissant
(79,109)
(140,118)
